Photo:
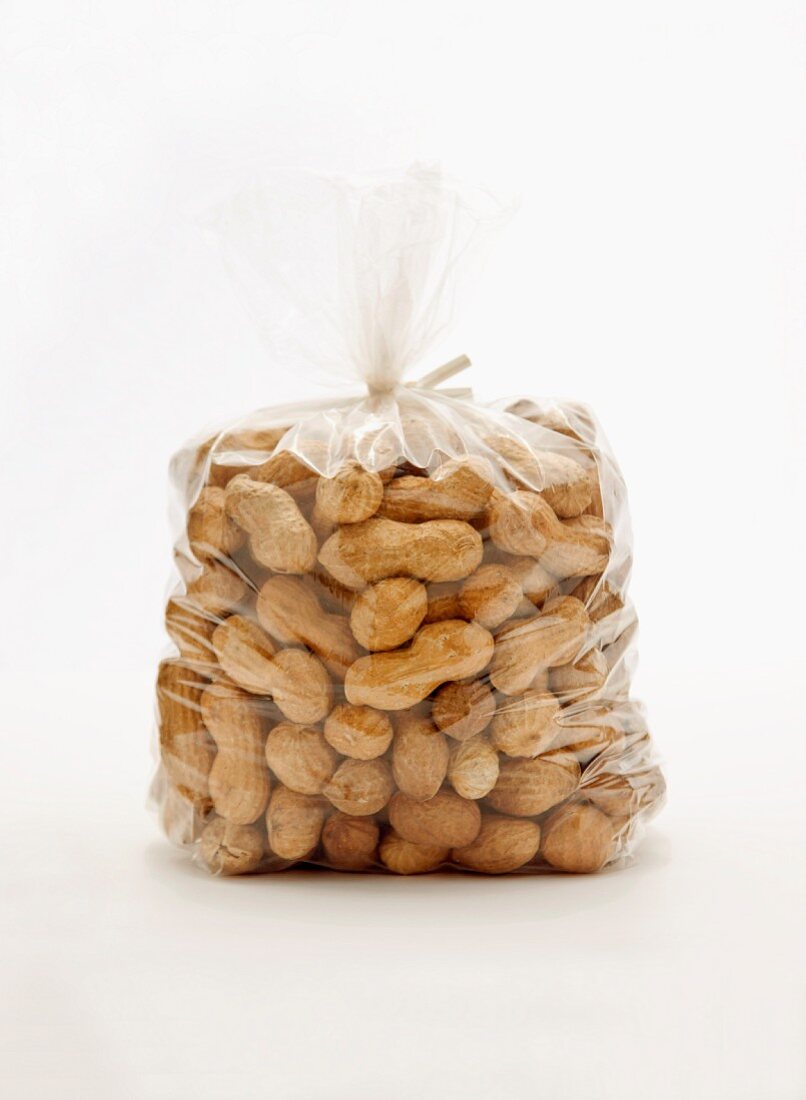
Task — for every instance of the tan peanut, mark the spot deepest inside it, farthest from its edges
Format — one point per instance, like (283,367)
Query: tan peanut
(444,820)
(288,472)
(526,725)
(239,780)
(352,495)
(490,595)
(190,632)
(405,858)
(438,550)
(419,756)
(587,733)
(581,679)
(562,481)
(279,535)
(210,529)
(526,787)
(388,613)
(526,647)
(300,757)
(523,523)
(451,650)
(504,844)
(473,767)
(537,584)
(185,745)
(360,788)
(444,602)
(290,611)
(459,489)
(295,679)
(181,821)
(599,597)
(577,838)
(216,590)
(463,710)
(230,849)
(350,843)
(358,732)
(294,823)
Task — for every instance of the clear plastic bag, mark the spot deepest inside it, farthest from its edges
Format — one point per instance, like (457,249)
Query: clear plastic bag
(402,640)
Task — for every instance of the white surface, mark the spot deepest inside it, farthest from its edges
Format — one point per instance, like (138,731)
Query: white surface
(657,271)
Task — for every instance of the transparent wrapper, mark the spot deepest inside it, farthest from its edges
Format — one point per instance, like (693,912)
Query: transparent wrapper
(402,639)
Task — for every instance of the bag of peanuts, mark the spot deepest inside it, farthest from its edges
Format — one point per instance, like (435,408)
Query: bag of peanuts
(401,635)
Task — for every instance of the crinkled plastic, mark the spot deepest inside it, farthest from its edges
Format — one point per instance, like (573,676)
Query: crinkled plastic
(401,634)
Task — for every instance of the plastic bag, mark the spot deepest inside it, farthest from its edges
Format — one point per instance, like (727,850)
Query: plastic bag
(402,637)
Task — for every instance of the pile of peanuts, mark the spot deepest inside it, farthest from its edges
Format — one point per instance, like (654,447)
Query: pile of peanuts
(402,669)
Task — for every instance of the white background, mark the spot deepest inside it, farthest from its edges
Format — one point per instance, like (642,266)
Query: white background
(657,271)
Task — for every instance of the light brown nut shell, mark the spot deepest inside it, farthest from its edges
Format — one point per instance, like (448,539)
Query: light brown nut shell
(290,611)
(504,844)
(577,838)
(526,788)
(473,767)
(210,529)
(216,589)
(229,849)
(459,490)
(185,745)
(352,495)
(294,823)
(350,843)
(239,779)
(300,758)
(388,613)
(451,650)
(279,535)
(526,725)
(419,756)
(245,652)
(438,550)
(358,732)
(446,820)
(463,710)
(527,647)
(405,858)
(190,632)
(360,788)
(580,680)
(490,595)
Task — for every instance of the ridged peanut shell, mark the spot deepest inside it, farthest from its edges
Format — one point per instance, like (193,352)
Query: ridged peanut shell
(351,495)
(459,490)
(185,745)
(350,843)
(526,725)
(300,758)
(526,647)
(294,823)
(388,613)
(504,844)
(473,767)
(360,787)
(210,529)
(526,788)
(229,849)
(420,756)
(405,858)
(279,535)
(446,820)
(577,838)
(463,710)
(358,732)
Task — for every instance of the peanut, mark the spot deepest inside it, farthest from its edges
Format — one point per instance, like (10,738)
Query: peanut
(279,535)
(239,781)
(580,680)
(294,823)
(552,637)
(504,844)
(186,748)
(288,472)
(444,602)
(360,788)
(473,768)
(210,530)
(352,495)
(290,612)
(490,595)
(459,490)
(296,680)
(599,597)
(190,632)
(300,758)
(463,710)
(230,849)
(577,838)
(419,756)
(523,523)
(350,842)
(358,732)
(388,613)
(438,550)
(526,787)
(182,822)
(451,650)
(564,483)
(526,725)
(446,820)
(405,858)
(216,590)
(584,736)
